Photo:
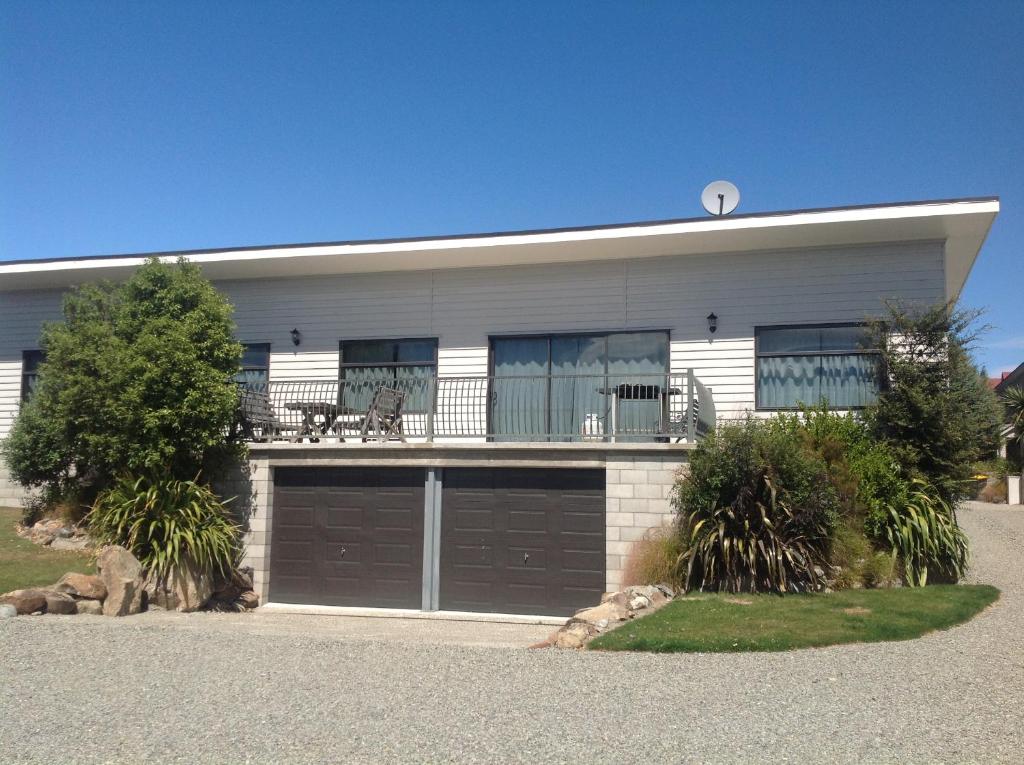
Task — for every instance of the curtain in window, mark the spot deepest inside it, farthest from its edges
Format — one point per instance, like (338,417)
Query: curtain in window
(577,377)
(255,364)
(845,381)
(568,391)
(639,359)
(785,381)
(406,365)
(849,381)
(519,405)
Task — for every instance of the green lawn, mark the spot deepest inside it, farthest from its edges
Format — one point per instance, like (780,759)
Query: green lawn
(722,623)
(24,564)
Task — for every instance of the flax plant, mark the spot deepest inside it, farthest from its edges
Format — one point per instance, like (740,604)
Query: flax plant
(165,522)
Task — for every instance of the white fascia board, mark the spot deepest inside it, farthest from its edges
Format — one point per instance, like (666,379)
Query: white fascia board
(965,221)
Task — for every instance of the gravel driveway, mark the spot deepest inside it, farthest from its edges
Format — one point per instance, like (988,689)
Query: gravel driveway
(281,689)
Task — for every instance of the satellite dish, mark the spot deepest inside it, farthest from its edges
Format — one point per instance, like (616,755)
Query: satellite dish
(720,197)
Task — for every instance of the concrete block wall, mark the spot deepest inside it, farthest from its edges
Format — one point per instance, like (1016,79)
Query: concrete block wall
(638,489)
(253,489)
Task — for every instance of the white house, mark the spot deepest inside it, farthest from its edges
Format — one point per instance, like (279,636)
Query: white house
(553,381)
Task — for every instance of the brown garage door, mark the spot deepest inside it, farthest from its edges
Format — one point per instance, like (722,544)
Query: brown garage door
(522,541)
(347,537)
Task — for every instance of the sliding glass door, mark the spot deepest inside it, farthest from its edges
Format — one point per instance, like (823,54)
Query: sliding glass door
(565,387)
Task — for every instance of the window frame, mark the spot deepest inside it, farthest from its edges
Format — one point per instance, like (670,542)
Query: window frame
(41,355)
(877,352)
(549,336)
(242,368)
(393,365)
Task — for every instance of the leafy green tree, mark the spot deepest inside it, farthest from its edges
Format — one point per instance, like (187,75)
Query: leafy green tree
(936,413)
(137,380)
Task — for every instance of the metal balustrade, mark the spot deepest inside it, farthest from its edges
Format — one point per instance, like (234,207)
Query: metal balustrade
(621,408)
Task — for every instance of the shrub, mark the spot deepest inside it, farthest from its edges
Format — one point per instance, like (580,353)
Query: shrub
(925,535)
(164,521)
(859,564)
(137,378)
(865,471)
(653,560)
(756,511)
(936,413)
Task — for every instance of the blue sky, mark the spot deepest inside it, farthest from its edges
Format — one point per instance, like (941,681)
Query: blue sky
(133,127)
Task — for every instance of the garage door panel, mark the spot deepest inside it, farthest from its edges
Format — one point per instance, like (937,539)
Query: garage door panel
(493,519)
(527,520)
(343,517)
(363,534)
(591,522)
(582,561)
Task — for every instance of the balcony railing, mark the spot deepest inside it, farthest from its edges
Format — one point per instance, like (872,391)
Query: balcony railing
(619,408)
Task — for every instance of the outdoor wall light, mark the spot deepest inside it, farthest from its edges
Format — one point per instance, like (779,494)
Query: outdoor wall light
(296,337)
(712,322)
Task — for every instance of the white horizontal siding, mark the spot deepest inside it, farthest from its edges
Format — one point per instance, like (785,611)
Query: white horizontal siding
(463,308)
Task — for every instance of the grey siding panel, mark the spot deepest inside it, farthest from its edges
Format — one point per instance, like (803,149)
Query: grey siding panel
(462,307)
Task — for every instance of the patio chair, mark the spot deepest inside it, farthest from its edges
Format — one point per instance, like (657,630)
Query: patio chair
(257,420)
(383,418)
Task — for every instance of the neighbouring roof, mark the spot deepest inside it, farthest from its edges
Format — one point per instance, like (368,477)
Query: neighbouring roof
(1011,379)
(962,223)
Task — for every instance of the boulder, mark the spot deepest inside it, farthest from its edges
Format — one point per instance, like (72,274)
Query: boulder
(81,586)
(639,603)
(92,607)
(227,588)
(25,601)
(574,635)
(7,611)
(608,612)
(249,599)
(121,575)
(620,598)
(59,603)
(184,588)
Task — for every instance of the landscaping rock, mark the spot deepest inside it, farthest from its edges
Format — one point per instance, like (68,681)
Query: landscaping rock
(574,635)
(184,589)
(25,601)
(615,608)
(92,607)
(59,603)
(69,543)
(608,612)
(81,586)
(7,611)
(639,602)
(121,574)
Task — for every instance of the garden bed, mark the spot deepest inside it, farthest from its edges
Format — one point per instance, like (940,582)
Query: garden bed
(717,623)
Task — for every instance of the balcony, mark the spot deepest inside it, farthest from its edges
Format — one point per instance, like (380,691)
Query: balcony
(644,408)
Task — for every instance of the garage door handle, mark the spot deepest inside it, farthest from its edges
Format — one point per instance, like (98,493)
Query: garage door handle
(342,552)
(526,558)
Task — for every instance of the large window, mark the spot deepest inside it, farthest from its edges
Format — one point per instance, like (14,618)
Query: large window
(805,364)
(407,365)
(30,361)
(562,384)
(255,363)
